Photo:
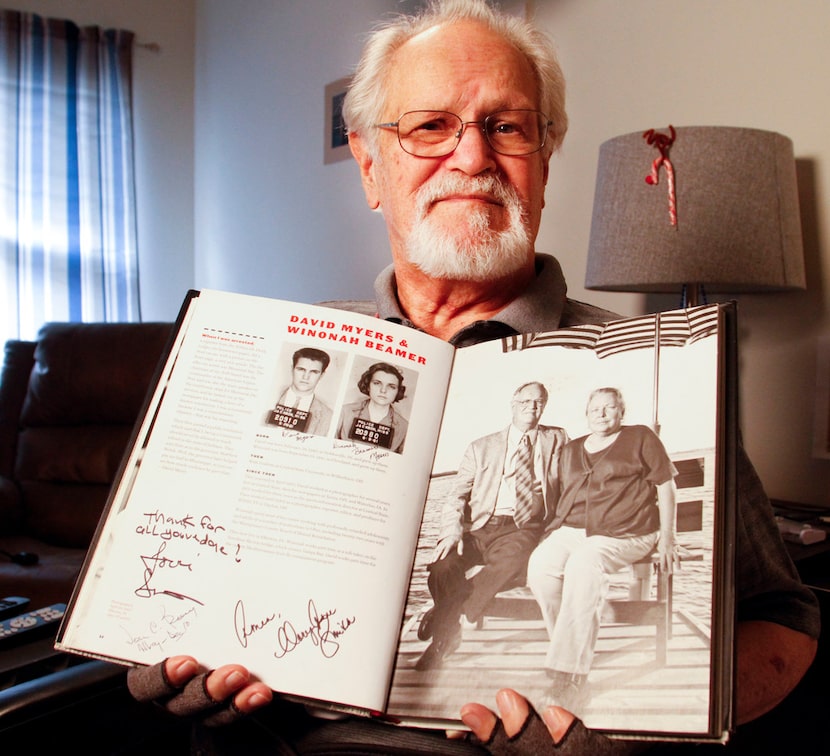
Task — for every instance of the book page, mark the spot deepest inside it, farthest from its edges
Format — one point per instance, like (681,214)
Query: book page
(670,383)
(255,524)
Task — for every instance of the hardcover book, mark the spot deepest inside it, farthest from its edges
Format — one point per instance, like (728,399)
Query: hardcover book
(295,465)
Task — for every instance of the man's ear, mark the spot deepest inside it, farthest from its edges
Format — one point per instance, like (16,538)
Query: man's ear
(366,163)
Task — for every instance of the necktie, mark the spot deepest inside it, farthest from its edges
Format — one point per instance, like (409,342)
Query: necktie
(523,480)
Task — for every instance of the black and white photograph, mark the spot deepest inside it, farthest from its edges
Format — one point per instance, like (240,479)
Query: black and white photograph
(634,413)
(305,400)
(377,405)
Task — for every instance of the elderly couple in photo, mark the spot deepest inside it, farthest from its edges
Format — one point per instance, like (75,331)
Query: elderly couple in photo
(596,505)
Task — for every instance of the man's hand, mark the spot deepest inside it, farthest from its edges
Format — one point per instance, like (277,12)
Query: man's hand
(445,546)
(522,731)
(181,686)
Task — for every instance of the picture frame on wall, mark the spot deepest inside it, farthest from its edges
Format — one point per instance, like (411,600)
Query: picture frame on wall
(336,140)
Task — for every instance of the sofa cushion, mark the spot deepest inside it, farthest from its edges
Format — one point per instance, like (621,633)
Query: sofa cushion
(92,373)
(72,453)
(63,514)
(86,389)
(65,475)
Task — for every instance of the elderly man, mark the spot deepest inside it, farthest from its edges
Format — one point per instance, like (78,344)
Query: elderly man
(453,117)
(504,492)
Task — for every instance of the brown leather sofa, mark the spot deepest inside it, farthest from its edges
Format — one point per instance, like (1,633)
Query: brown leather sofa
(68,403)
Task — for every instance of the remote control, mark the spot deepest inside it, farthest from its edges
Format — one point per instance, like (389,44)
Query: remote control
(12,606)
(30,626)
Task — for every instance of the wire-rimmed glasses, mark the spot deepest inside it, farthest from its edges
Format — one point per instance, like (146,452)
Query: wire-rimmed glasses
(436,133)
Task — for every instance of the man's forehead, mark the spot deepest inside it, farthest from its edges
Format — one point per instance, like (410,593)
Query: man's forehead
(422,72)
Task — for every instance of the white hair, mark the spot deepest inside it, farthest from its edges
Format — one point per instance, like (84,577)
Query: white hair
(366,98)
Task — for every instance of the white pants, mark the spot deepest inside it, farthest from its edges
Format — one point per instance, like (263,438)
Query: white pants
(568,574)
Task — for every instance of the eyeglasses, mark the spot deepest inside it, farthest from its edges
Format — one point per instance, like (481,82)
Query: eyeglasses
(527,403)
(436,133)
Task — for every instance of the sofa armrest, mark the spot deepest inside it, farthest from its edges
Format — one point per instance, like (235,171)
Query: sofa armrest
(87,708)
(30,700)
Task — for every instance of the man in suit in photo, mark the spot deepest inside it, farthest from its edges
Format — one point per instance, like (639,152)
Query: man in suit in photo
(298,407)
(505,492)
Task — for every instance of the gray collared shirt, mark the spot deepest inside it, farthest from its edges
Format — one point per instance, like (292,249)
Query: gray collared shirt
(543,306)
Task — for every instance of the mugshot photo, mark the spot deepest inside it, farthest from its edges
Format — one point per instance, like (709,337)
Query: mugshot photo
(378,403)
(307,388)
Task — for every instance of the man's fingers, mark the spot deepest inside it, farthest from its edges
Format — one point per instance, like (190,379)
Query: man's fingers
(226,680)
(226,693)
(514,709)
(180,669)
(193,698)
(521,731)
(150,683)
(558,721)
(479,719)
(252,696)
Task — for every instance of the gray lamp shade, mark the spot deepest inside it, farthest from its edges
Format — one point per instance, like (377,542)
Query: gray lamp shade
(737,219)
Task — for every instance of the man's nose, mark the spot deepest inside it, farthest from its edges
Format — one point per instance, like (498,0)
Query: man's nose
(473,153)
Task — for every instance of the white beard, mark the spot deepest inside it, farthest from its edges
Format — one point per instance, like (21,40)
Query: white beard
(474,252)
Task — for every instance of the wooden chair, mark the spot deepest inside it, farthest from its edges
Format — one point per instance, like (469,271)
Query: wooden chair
(639,607)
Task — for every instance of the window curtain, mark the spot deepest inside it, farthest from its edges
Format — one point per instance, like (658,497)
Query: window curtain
(67,193)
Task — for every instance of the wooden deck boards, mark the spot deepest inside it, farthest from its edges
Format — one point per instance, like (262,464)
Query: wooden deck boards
(626,683)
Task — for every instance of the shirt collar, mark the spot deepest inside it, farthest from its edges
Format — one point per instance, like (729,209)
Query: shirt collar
(514,435)
(538,308)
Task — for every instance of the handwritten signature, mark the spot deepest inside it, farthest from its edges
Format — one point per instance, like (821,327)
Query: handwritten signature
(359,450)
(155,562)
(296,435)
(169,626)
(243,629)
(323,630)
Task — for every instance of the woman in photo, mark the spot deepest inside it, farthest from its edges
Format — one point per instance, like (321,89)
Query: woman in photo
(374,420)
(617,504)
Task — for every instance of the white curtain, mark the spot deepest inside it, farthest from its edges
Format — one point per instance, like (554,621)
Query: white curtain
(68,248)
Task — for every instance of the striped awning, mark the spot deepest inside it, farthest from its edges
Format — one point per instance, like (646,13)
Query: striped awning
(673,328)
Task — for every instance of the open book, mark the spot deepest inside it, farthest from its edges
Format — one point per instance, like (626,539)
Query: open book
(295,539)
